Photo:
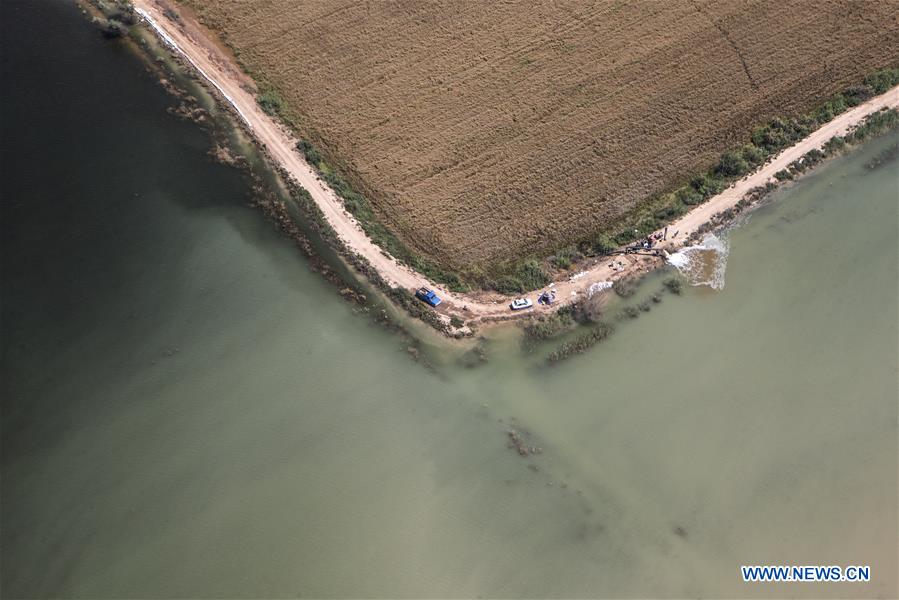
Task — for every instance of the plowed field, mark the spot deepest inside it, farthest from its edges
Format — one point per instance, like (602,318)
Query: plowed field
(483,131)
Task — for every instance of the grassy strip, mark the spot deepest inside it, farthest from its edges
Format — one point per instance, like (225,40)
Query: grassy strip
(764,142)
(530,274)
(359,206)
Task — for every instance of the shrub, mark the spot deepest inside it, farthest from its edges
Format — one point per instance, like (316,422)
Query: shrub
(564,258)
(689,196)
(628,312)
(270,101)
(857,94)
(732,164)
(532,275)
(312,156)
(753,155)
(874,124)
(110,28)
(881,81)
(626,287)
(548,327)
(526,277)
(706,186)
(456,322)
(834,144)
(783,175)
(667,213)
(673,285)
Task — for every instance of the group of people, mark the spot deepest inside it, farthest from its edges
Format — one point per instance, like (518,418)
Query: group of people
(649,242)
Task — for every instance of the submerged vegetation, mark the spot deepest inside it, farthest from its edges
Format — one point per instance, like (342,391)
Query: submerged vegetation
(580,344)
(115,17)
(549,326)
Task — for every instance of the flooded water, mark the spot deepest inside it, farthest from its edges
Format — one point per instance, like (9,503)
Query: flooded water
(188,411)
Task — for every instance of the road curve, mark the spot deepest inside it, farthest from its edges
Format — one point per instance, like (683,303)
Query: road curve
(199,47)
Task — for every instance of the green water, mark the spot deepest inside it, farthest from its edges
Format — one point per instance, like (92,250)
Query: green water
(188,411)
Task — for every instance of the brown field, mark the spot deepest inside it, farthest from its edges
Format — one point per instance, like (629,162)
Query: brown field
(483,131)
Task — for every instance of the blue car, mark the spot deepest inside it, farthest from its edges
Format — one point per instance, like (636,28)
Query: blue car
(426,295)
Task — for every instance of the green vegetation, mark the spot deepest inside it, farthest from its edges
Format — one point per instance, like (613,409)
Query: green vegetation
(527,276)
(530,274)
(581,343)
(765,141)
(564,258)
(625,288)
(271,102)
(118,17)
(628,312)
(673,285)
(875,124)
(548,326)
(881,81)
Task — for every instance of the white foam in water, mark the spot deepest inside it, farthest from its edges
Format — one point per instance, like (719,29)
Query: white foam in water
(704,263)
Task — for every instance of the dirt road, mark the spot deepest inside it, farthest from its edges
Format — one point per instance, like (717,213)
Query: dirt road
(199,48)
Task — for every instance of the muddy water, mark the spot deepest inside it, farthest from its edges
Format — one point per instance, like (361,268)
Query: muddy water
(188,411)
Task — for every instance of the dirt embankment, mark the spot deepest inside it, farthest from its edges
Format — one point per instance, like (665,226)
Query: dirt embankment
(216,66)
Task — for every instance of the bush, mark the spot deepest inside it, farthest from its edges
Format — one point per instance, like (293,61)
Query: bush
(667,213)
(753,155)
(626,287)
(834,144)
(528,276)
(783,175)
(548,327)
(706,186)
(732,164)
(532,275)
(111,28)
(874,124)
(628,312)
(456,322)
(588,310)
(689,196)
(564,258)
(270,101)
(857,94)
(312,156)
(673,285)
(881,81)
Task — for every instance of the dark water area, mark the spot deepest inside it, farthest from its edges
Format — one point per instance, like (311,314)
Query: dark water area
(189,411)
(94,173)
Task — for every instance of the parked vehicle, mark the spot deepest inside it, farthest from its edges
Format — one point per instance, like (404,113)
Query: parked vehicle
(428,296)
(521,303)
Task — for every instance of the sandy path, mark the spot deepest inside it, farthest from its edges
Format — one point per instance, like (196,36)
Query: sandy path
(199,48)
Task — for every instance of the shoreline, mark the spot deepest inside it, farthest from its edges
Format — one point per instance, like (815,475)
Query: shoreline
(237,92)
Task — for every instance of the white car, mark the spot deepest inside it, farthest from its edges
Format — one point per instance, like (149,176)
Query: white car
(520,303)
